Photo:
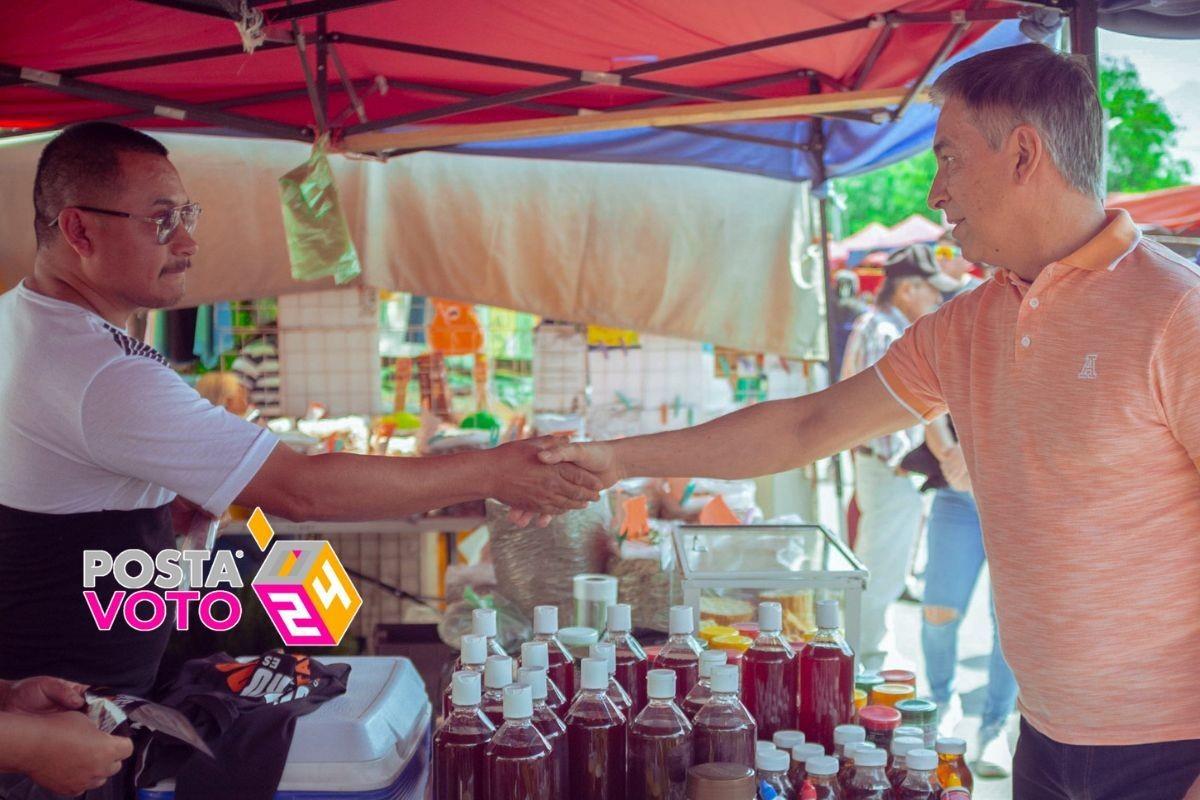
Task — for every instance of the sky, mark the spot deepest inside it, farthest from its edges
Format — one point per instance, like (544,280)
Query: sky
(1170,69)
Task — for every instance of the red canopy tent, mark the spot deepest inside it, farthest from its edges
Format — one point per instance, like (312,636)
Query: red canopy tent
(1175,210)
(357,66)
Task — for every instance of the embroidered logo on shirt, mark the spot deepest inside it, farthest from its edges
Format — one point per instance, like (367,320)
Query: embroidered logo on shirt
(133,347)
(1088,373)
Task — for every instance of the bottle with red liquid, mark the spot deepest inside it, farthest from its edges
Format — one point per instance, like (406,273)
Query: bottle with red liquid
(460,745)
(724,729)
(920,778)
(537,656)
(700,693)
(822,779)
(880,723)
(901,747)
(850,761)
(660,744)
(771,769)
(471,658)
(826,678)
(607,652)
(562,664)
(519,762)
(843,737)
(483,623)
(769,678)
(681,653)
(596,737)
(497,676)
(798,770)
(632,663)
(549,725)
(869,781)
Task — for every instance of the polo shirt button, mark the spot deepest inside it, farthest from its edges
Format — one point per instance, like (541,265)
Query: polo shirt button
(1026,341)
(1034,303)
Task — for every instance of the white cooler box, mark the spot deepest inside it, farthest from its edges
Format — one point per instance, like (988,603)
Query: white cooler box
(372,743)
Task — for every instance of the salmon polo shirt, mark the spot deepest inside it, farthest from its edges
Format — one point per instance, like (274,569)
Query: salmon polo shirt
(1077,402)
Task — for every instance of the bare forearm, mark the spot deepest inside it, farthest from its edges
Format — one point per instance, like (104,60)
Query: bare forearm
(20,736)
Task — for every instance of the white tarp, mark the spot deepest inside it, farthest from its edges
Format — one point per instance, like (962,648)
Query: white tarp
(679,251)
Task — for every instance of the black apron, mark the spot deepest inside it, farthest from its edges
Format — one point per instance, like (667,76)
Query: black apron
(45,625)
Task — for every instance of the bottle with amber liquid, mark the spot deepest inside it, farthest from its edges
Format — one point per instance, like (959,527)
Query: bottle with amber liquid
(952,766)
(519,761)
(596,737)
(769,675)
(724,729)
(660,744)
(460,745)
(681,652)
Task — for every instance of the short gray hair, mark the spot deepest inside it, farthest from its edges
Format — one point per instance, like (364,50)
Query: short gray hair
(1033,84)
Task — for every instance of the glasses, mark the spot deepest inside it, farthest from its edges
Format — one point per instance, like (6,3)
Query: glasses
(167,221)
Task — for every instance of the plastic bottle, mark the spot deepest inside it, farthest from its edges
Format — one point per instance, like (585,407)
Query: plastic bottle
(497,675)
(632,663)
(826,678)
(607,652)
(700,693)
(801,753)
(850,761)
(483,623)
(787,739)
(880,723)
(596,737)
(577,641)
(537,656)
(921,714)
(769,674)
(901,747)
(951,764)
(822,776)
(911,731)
(548,724)
(471,658)
(771,768)
(518,757)
(762,746)
(660,743)
(844,735)
(920,779)
(724,729)
(562,665)
(460,745)
(681,652)
(869,781)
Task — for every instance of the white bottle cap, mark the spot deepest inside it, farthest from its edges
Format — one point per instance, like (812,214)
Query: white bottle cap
(578,637)
(660,684)
(854,748)
(594,673)
(845,734)
(952,746)
(535,654)
(474,649)
(497,673)
(822,766)
(545,619)
(483,622)
(465,689)
(710,659)
(828,614)
(725,678)
(762,746)
(902,745)
(518,702)
(909,730)
(770,617)
(535,679)
(771,761)
(620,618)
(806,751)
(682,620)
(606,651)
(922,759)
(870,758)
(786,740)
(595,588)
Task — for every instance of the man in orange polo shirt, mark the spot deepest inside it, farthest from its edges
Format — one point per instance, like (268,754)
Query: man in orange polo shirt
(1069,376)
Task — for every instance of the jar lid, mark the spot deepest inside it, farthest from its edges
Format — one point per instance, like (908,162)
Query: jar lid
(736,642)
(720,781)
(867,681)
(879,718)
(898,676)
(917,710)
(710,632)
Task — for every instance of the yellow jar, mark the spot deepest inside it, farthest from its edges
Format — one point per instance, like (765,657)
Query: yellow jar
(860,699)
(710,632)
(733,643)
(888,694)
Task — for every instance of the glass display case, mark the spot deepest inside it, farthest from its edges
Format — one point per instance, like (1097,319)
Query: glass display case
(725,571)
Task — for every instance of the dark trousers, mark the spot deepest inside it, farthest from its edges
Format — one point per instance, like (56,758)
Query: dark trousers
(1044,769)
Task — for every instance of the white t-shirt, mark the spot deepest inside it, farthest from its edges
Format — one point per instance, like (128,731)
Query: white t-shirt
(91,419)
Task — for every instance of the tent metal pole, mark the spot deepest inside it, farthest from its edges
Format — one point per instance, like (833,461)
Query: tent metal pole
(1081,26)
(309,82)
(881,41)
(752,83)
(941,55)
(270,16)
(323,70)
(154,104)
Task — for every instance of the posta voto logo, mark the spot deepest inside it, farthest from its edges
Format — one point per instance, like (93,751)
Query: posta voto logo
(302,586)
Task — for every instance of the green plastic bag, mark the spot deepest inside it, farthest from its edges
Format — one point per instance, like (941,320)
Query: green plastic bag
(318,238)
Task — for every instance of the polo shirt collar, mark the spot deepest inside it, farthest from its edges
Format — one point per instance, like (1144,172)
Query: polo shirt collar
(1102,253)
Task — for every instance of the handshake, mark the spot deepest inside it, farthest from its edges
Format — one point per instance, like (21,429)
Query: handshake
(543,477)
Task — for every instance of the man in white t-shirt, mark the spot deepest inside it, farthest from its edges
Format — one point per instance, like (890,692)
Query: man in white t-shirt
(100,437)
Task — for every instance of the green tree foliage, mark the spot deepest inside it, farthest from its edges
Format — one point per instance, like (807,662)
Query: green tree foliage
(1141,136)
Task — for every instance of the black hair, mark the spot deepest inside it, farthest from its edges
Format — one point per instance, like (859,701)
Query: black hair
(79,163)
